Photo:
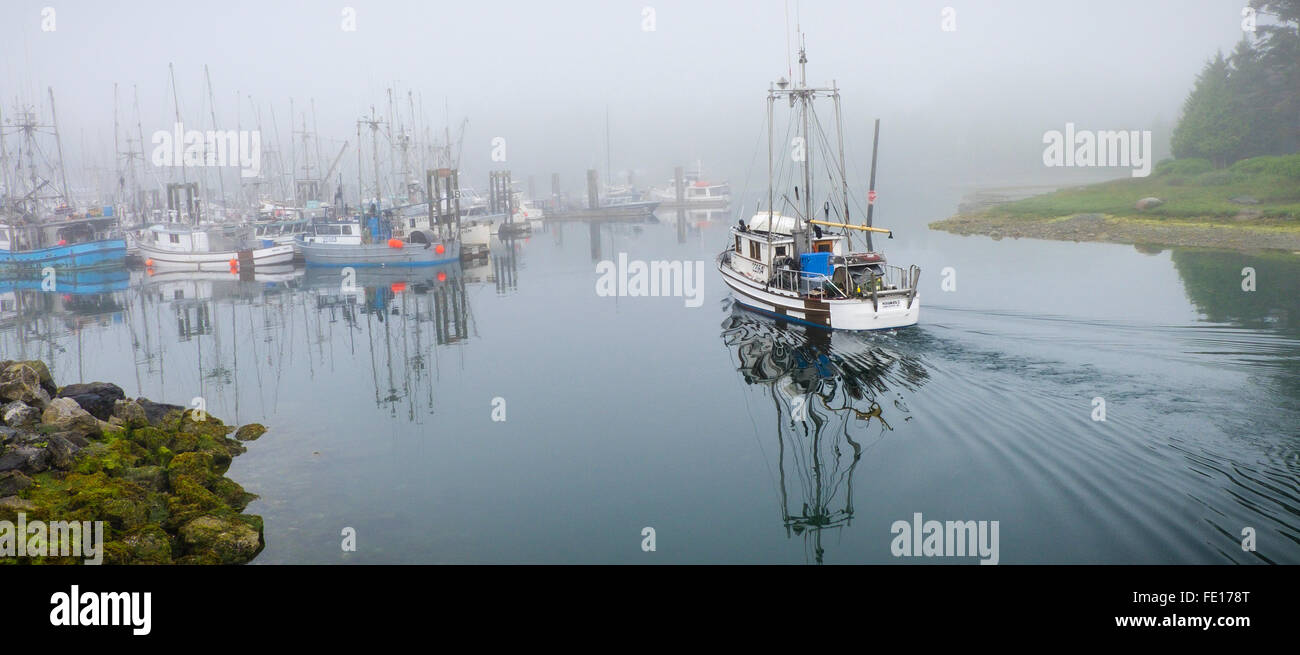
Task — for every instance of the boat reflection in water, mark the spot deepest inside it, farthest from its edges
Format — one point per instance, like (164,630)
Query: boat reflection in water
(401,314)
(836,395)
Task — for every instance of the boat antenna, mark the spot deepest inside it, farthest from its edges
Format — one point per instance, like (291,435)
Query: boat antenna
(789,67)
(871,184)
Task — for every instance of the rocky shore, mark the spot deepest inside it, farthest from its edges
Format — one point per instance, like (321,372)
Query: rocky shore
(1123,229)
(153,473)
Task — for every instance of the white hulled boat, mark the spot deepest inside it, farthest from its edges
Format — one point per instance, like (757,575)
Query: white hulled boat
(786,265)
(211,248)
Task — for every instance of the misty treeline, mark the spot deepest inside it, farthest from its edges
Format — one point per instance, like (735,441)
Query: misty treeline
(1248,103)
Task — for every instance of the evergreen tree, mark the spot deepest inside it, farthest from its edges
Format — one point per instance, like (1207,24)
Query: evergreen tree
(1212,125)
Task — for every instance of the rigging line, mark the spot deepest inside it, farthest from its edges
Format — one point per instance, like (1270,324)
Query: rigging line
(744,194)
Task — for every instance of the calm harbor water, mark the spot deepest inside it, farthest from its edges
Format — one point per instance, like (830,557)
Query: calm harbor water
(737,438)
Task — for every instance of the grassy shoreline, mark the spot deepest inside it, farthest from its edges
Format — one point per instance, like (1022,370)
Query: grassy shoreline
(1252,205)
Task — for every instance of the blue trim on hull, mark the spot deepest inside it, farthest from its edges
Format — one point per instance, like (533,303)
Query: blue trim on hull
(95,254)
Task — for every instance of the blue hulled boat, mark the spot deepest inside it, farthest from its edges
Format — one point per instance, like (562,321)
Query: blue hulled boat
(74,244)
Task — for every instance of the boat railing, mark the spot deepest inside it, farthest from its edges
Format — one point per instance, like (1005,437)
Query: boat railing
(805,283)
(897,278)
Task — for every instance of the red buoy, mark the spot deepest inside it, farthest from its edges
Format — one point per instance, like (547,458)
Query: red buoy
(395,243)
(149,262)
(439,249)
(442,277)
(398,287)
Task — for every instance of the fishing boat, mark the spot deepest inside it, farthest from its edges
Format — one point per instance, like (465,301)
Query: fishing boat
(210,248)
(344,244)
(787,265)
(40,227)
(64,245)
(695,191)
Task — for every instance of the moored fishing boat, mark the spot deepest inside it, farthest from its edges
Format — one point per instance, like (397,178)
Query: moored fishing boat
(788,266)
(215,248)
(343,244)
(75,244)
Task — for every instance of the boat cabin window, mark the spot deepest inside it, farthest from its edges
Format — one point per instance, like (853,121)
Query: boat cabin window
(738,252)
(754,252)
(824,246)
(174,238)
(781,251)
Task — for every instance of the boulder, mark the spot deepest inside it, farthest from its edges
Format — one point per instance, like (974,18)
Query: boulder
(65,415)
(19,414)
(62,451)
(42,373)
(151,477)
(130,413)
(12,482)
(28,458)
(156,412)
(7,435)
(223,540)
(97,398)
(1148,203)
(16,504)
(19,381)
(250,432)
(148,546)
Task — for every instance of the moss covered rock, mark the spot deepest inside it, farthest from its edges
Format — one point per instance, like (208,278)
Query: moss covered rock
(155,476)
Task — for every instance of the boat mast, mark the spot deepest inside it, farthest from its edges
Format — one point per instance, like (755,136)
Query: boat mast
(361,192)
(117,156)
(844,173)
(805,99)
(871,184)
(176,103)
(293,160)
(139,128)
(771,100)
(212,108)
(609,178)
(4,164)
(59,142)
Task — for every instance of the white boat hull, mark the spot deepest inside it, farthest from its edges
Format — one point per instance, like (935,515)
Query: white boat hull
(160,259)
(891,311)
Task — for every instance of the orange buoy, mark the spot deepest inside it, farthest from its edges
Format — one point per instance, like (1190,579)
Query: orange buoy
(439,249)
(395,243)
(442,277)
(398,287)
(149,262)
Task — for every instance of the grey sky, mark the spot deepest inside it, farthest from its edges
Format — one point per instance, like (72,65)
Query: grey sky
(960,104)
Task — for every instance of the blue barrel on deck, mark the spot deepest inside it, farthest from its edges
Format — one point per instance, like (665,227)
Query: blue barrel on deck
(815,262)
(108,210)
